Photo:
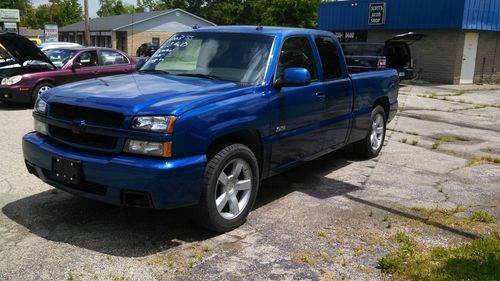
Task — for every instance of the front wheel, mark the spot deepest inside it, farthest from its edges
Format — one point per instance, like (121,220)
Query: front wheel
(371,145)
(40,89)
(230,188)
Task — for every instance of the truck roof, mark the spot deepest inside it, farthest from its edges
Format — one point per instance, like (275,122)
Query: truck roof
(267,30)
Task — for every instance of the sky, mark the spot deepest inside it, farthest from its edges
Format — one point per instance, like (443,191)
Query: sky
(93,5)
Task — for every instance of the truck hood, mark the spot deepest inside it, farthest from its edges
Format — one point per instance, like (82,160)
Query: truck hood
(22,49)
(144,94)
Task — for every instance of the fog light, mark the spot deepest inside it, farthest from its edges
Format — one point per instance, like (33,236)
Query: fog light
(41,127)
(148,148)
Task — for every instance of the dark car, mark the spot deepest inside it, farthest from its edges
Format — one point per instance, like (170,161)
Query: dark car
(33,72)
(393,53)
(146,50)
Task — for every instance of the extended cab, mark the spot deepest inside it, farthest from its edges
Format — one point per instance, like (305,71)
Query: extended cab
(214,111)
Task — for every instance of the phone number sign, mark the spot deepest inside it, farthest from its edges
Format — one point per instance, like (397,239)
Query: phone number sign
(377,14)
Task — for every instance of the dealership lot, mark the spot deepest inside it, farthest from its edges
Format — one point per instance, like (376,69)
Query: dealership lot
(331,219)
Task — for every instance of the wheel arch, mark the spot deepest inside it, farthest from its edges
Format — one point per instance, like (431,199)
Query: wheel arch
(248,137)
(384,102)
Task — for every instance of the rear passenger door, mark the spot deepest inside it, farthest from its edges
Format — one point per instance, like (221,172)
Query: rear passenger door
(113,63)
(338,92)
(298,134)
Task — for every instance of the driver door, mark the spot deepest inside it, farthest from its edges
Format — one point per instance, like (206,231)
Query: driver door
(301,109)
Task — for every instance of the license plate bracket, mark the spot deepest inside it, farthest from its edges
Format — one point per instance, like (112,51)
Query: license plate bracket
(66,170)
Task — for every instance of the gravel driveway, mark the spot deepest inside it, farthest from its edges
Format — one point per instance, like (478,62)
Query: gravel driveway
(330,219)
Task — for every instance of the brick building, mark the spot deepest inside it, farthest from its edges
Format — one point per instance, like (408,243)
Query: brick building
(128,32)
(463,36)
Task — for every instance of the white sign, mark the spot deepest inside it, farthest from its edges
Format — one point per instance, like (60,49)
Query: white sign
(51,33)
(9,15)
(10,27)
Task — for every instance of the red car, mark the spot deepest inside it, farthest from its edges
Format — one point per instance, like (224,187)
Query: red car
(33,72)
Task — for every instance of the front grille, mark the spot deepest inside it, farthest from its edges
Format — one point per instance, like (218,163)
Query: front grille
(90,115)
(93,140)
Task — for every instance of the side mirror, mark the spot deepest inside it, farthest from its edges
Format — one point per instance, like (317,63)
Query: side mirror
(140,63)
(76,65)
(294,77)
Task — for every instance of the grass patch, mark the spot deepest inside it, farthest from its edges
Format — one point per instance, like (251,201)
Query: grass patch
(442,140)
(404,140)
(482,216)
(483,160)
(301,257)
(478,260)
(414,142)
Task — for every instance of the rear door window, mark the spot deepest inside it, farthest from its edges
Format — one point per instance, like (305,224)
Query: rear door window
(112,58)
(329,57)
(297,52)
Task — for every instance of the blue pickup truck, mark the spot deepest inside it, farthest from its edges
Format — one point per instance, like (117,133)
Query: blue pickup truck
(210,114)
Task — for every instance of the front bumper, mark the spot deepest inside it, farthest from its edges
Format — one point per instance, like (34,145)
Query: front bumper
(169,183)
(16,93)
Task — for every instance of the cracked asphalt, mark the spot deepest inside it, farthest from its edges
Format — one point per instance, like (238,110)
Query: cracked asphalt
(330,219)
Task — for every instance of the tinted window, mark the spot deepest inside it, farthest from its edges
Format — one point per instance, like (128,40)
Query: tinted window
(329,57)
(297,52)
(112,58)
(375,50)
(88,59)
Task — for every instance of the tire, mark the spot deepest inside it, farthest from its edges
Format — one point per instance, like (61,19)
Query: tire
(229,190)
(372,144)
(39,89)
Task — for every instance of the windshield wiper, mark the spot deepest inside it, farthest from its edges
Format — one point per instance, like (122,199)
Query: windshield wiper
(154,71)
(200,75)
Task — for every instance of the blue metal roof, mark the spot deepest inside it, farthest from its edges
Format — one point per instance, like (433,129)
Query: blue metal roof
(412,14)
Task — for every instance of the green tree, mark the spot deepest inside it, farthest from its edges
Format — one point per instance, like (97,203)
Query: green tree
(231,12)
(298,13)
(67,12)
(112,8)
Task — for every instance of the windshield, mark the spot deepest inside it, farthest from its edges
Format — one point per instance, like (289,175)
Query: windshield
(372,50)
(59,57)
(226,56)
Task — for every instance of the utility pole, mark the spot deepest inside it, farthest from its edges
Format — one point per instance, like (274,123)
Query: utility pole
(51,8)
(87,25)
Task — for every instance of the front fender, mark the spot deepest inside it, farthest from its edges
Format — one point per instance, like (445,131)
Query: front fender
(196,129)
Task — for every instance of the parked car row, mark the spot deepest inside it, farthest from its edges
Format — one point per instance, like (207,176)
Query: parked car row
(32,70)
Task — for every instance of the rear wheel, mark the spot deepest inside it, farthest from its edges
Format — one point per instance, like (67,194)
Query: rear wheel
(40,89)
(371,145)
(230,188)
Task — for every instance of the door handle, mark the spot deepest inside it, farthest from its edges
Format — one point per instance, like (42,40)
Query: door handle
(320,95)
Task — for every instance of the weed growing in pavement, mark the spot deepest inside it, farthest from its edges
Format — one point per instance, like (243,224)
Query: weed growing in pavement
(403,140)
(442,140)
(483,160)
(477,260)
(482,216)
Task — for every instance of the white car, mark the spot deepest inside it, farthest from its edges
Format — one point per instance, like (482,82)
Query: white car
(56,45)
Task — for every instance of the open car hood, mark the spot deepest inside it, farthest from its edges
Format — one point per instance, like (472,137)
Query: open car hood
(406,37)
(22,49)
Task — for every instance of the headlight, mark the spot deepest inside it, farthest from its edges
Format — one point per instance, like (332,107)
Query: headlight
(163,149)
(40,106)
(12,80)
(161,124)
(41,127)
